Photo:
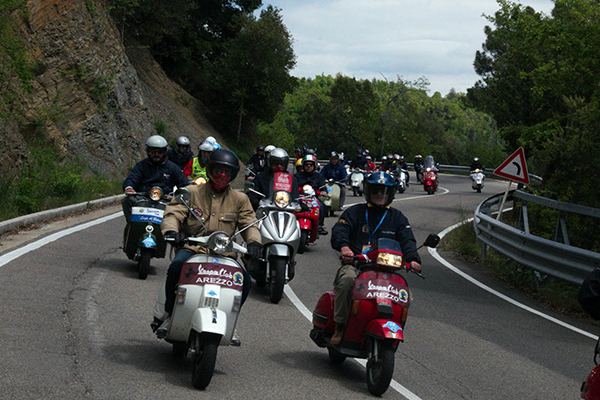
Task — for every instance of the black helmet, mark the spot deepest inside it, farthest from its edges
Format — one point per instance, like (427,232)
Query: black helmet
(260,147)
(183,141)
(380,183)
(279,158)
(227,160)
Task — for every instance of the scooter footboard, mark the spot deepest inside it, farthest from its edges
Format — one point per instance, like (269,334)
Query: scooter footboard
(386,329)
(210,320)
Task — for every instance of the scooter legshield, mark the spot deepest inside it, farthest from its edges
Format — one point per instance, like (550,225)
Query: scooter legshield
(385,328)
(323,313)
(305,223)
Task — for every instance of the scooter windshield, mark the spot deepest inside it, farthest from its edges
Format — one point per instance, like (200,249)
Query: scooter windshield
(429,162)
(388,244)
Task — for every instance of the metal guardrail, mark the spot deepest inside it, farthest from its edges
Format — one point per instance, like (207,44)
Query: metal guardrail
(550,257)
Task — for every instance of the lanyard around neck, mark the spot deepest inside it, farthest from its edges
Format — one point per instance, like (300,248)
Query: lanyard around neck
(378,225)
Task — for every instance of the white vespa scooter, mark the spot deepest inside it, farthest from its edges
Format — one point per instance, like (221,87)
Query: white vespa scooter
(209,298)
(477,178)
(357,179)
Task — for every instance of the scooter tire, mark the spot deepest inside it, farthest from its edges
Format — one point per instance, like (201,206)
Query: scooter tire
(429,190)
(277,282)
(203,364)
(335,357)
(380,372)
(303,241)
(144,263)
(354,191)
(478,189)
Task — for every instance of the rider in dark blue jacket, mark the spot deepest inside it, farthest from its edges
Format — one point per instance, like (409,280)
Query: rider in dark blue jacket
(359,227)
(334,170)
(155,170)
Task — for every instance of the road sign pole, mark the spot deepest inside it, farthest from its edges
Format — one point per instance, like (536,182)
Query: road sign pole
(503,201)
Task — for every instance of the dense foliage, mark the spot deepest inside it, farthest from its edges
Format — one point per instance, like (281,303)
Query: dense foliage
(345,114)
(541,82)
(218,50)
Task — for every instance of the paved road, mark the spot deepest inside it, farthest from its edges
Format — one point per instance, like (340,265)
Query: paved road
(75,324)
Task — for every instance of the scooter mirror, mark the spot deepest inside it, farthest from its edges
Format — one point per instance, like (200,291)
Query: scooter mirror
(432,240)
(182,195)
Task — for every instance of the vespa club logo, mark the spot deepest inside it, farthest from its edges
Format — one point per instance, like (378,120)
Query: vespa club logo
(226,276)
(382,289)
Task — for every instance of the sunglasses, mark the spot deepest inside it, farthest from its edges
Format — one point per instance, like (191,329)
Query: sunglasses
(156,151)
(309,165)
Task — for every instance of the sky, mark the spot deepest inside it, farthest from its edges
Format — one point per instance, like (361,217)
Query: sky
(384,39)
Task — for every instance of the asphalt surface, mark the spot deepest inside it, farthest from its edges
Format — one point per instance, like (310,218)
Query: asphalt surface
(75,324)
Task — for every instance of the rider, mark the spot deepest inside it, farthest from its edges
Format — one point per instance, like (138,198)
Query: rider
(404,165)
(359,161)
(196,168)
(264,182)
(418,166)
(257,163)
(310,177)
(371,167)
(334,170)
(476,164)
(155,170)
(181,154)
(358,228)
(220,208)
(385,163)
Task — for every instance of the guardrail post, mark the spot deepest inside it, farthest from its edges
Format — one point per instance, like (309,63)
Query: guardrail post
(561,229)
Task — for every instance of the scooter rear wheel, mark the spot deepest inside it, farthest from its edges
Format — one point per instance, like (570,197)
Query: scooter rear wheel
(203,364)
(144,263)
(335,357)
(379,372)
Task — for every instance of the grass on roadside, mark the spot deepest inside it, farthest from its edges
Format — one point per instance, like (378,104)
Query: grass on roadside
(554,294)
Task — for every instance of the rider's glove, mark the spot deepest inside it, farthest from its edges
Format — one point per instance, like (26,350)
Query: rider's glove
(255,249)
(178,238)
(304,207)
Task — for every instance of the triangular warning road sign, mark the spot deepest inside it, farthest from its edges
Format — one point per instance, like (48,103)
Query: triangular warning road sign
(514,168)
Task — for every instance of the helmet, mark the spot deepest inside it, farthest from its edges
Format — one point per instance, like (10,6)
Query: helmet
(156,149)
(384,158)
(260,148)
(396,156)
(418,157)
(360,152)
(183,141)
(279,158)
(380,183)
(269,148)
(390,156)
(342,156)
(206,146)
(156,142)
(210,140)
(334,154)
(475,159)
(298,163)
(369,158)
(367,151)
(309,158)
(226,160)
(401,158)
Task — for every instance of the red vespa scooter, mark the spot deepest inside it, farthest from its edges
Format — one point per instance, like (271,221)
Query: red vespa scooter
(309,220)
(430,171)
(375,326)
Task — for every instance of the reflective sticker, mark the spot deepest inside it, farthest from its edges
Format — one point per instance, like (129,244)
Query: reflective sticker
(330,188)
(197,212)
(149,242)
(215,261)
(392,326)
(212,293)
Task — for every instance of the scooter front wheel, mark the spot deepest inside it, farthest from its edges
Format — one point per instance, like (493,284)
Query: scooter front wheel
(303,241)
(277,282)
(380,369)
(203,363)
(144,263)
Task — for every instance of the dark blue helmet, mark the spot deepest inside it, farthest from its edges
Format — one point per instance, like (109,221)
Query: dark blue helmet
(380,183)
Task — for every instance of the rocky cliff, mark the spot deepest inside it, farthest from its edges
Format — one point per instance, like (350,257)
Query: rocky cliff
(94,98)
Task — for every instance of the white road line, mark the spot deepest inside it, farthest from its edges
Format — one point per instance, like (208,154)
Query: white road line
(308,315)
(452,268)
(8,257)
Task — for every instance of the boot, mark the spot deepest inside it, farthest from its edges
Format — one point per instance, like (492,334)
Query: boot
(337,335)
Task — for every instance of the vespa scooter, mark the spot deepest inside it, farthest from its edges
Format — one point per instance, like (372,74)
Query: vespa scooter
(142,239)
(209,298)
(477,178)
(357,179)
(308,218)
(375,326)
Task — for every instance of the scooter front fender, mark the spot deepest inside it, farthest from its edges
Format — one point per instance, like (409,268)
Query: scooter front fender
(210,320)
(278,249)
(385,329)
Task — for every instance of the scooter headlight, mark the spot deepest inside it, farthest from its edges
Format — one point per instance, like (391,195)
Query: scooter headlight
(428,169)
(200,181)
(155,193)
(219,243)
(282,199)
(390,260)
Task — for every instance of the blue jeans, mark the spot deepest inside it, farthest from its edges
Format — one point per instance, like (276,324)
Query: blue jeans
(173,279)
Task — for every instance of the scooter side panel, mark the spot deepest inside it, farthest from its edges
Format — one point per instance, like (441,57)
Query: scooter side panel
(210,320)
(323,313)
(182,313)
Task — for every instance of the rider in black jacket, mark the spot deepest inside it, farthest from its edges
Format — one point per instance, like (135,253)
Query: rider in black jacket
(310,177)
(264,182)
(361,226)
(155,170)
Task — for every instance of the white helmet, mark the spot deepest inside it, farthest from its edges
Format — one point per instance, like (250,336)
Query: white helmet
(206,146)
(156,142)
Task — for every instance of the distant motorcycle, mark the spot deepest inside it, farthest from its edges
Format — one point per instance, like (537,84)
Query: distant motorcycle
(357,179)
(308,218)
(477,178)
(337,195)
(142,238)
(430,178)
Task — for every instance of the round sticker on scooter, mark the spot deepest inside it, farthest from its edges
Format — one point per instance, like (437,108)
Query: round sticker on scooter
(238,278)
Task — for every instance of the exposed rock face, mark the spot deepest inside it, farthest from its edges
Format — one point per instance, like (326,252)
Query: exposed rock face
(94,103)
